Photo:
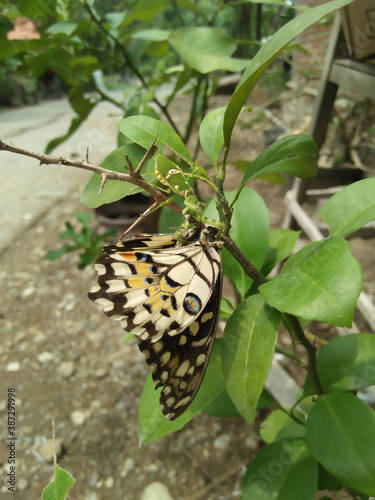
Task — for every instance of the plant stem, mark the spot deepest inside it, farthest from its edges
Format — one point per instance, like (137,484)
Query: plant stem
(289,354)
(193,109)
(293,417)
(247,266)
(310,349)
(131,177)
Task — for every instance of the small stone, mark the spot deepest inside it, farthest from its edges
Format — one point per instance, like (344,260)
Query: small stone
(78,417)
(252,443)
(45,357)
(66,369)
(151,468)
(172,473)
(92,496)
(19,337)
(156,491)
(101,373)
(222,441)
(30,290)
(13,366)
(109,482)
(22,483)
(127,467)
(47,450)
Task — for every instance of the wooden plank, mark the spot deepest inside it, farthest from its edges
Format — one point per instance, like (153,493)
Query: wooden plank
(358,82)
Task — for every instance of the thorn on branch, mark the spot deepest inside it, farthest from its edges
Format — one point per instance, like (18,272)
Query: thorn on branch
(104,178)
(146,155)
(128,164)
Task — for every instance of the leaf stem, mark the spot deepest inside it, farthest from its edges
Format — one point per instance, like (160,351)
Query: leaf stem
(289,354)
(310,349)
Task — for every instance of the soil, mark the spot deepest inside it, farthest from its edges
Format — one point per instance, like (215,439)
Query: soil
(67,363)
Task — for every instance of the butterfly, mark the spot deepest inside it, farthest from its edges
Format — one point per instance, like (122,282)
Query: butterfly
(168,295)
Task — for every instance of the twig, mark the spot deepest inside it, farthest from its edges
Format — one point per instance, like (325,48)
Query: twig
(223,477)
(105,174)
(247,266)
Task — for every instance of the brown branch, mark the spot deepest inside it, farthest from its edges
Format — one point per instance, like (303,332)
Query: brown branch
(106,174)
(246,265)
(310,349)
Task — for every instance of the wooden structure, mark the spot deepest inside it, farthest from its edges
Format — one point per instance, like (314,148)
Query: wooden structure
(356,77)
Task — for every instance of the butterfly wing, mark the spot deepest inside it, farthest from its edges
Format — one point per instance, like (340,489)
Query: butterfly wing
(151,290)
(169,297)
(179,363)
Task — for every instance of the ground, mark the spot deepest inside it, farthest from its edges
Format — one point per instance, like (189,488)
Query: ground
(68,365)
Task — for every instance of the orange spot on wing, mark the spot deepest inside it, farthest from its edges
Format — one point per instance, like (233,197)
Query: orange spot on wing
(128,255)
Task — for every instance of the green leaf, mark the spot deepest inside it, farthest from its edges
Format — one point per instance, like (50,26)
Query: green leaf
(283,470)
(115,19)
(171,175)
(268,2)
(153,425)
(82,107)
(57,489)
(340,431)
(169,219)
(294,155)
(268,53)
(265,400)
(152,35)
(75,123)
(346,364)
(62,28)
(327,481)
(253,241)
(146,10)
(42,12)
(211,134)
(83,217)
(143,130)
(248,347)
(114,189)
(351,208)
(56,254)
(280,245)
(322,282)
(279,425)
(69,232)
(187,4)
(222,406)
(206,49)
